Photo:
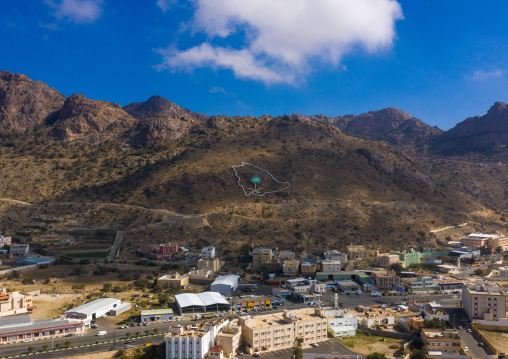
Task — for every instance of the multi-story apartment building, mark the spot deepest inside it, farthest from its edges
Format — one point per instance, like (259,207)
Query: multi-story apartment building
(421,284)
(335,255)
(208,252)
(491,241)
(229,339)
(331,266)
(498,241)
(386,260)
(212,264)
(20,250)
(341,323)
(290,268)
(355,252)
(166,250)
(261,255)
(385,279)
(279,330)
(285,255)
(484,300)
(14,303)
(446,341)
(308,269)
(5,241)
(409,257)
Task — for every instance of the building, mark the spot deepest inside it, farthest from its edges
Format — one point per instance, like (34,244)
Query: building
(331,266)
(357,252)
(174,281)
(208,252)
(190,257)
(409,257)
(466,252)
(308,269)
(166,250)
(385,280)
(375,317)
(447,268)
(14,303)
(229,339)
(212,264)
(122,308)
(261,254)
(335,255)
(280,330)
(447,341)
(216,353)
(386,260)
(93,310)
(491,241)
(5,241)
(225,284)
(18,328)
(360,277)
(290,268)
(302,285)
(201,303)
(156,315)
(498,242)
(341,323)
(183,343)
(19,250)
(484,300)
(286,256)
(200,276)
(422,284)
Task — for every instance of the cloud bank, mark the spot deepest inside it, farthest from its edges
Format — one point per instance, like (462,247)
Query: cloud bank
(480,75)
(77,11)
(284,39)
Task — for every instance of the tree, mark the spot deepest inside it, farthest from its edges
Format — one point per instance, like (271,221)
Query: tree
(30,349)
(155,330)
(499,249)
(147,332)
(137,334)
(57,345)
(434,323)
(418,354)
(397,268)
(107,287)
(479,272)
(297,350)
(67,343)
(128,335)
(376,355)
(45,347)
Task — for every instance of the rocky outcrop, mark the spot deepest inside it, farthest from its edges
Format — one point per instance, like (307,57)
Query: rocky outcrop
(477,134)
(161,128)
(156,104)
(25,103)
(90,120)
(391,125)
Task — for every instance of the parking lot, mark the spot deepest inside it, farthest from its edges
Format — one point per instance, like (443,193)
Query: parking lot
(331,346)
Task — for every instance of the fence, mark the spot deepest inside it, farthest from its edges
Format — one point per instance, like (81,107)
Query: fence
(476,330)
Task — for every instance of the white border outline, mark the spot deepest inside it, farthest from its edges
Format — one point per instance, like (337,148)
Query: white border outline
(254,192)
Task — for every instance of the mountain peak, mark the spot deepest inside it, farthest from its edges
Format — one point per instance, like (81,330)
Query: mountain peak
(156,105)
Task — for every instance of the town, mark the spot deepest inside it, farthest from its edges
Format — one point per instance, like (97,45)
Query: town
(441,303)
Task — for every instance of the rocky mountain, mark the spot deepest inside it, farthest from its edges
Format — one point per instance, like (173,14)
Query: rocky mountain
(390,125)
(25,103)
(156,104)
(161,128)
(477,134)
(90,120)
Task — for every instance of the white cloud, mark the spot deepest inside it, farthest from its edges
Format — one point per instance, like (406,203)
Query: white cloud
(165,5)
(284,37)
(480,75)
(78,11)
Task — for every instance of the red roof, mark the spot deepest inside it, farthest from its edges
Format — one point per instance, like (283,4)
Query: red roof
(216,349)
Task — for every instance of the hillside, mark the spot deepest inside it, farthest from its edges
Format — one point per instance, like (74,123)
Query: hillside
(342,189)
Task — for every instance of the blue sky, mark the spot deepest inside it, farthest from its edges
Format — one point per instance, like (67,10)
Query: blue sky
(441,61)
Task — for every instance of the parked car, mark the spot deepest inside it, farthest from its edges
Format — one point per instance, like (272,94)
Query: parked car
(466,349)
(314,344)
(27,340)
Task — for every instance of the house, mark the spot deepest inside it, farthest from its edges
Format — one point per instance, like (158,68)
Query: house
(385,280)
(290,268)
(208,252)
(331,266)
(166,250)
(19,250)
(174,281)
(447,341)
(341,323)
(447,268)
(229,339)
(386,260)
(308,269)
(335,255)
(14,303)
(212,264)
(355,252)
(190,257)
(5,241)
(261,254)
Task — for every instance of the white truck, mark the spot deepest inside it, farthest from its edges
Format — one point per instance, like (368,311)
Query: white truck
(102,332)
(358,292)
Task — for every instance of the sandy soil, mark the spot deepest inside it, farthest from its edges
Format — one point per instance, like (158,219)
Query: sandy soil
(47,306)
(364,344)
(498,339)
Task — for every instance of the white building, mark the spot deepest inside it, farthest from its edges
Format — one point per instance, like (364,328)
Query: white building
(302,285)
(5,241)
(188,303)
(208,252)
(194,342)
(447,268)
(331,266)
(335,255)
(19,250)
(225,284)
(342,324)
(93,310)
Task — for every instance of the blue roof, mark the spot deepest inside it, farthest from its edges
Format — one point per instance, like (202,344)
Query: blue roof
(34,260)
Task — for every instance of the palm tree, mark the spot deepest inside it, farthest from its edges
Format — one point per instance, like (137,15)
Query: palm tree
(68,344)
(155,330)
(30,349)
